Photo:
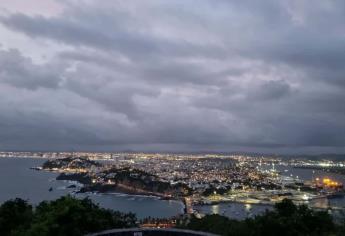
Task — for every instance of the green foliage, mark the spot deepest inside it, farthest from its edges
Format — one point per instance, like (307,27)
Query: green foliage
(15,215)
(64,216)
(70,162)
(289,219)
(70,216)
(142,180)
(286,219)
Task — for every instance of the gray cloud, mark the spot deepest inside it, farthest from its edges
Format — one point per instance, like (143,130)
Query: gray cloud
(20,71)
(222,75)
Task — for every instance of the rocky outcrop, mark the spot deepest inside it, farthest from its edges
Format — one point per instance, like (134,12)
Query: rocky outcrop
(83,178)
(70,163)
(135,182)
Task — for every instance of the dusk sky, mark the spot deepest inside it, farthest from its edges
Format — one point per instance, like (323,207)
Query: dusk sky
(203,75)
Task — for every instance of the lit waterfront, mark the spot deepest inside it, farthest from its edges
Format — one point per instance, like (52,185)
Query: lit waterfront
(238,186)
(241,210)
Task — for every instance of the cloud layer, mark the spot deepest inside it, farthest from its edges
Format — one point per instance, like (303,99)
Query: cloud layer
(174,75)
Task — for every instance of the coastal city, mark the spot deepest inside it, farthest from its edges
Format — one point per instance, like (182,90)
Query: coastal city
(172,118)
(199,179)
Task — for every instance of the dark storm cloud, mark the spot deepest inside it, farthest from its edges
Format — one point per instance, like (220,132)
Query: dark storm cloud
(205,75)
(90,32)
(21,72)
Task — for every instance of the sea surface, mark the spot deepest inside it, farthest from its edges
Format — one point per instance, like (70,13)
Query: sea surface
(17,180)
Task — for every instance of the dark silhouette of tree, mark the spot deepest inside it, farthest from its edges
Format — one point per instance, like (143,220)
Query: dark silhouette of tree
(15,215)
(64,216)
(70,216)
(286,219)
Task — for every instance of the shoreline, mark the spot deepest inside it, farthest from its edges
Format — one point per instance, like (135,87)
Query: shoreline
(121,190)
(115,189)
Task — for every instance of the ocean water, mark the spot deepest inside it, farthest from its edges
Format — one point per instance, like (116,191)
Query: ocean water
(233,210)
(17,180)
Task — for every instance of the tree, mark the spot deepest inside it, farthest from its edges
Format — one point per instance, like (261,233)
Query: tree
(15,216)
(285,208)
(286,219)
(70,216)
(64,216)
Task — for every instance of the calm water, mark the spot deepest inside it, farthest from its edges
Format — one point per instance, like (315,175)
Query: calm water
(233,210)
(17,180)
(308,174)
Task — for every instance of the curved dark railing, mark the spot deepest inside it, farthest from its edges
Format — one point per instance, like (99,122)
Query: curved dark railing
(150,232)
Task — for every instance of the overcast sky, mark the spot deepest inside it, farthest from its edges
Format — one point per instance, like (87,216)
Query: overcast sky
(257,76)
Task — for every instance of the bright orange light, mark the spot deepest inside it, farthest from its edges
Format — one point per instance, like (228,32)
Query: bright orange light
(330,183)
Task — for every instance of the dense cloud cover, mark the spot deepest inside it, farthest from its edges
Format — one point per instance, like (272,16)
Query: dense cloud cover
(189,75)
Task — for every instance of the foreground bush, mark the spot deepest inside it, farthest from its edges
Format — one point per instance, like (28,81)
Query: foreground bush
(70,216)
(286,219)
(64,216)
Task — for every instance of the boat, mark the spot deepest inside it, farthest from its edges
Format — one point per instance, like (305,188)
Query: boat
(50,189)
(36,168)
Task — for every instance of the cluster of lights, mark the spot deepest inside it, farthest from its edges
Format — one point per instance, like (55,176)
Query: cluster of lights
(328,182)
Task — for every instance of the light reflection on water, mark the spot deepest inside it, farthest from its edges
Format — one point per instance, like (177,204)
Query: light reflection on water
(322,203)
(233,210)
(215,209)
(248,207)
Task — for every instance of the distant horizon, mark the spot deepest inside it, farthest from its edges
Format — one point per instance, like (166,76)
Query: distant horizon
(184,152)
